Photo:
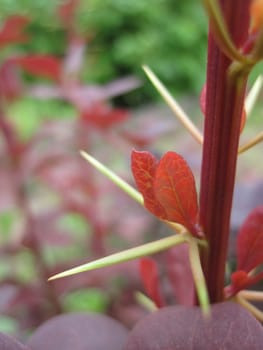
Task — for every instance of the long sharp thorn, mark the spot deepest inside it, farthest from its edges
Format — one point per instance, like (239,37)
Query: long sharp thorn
(251,143)
(126,255)
(174,105)
(131,191)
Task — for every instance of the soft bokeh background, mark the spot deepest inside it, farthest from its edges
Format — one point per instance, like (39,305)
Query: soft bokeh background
(55,210)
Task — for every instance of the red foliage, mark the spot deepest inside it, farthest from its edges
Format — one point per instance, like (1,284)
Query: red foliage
(66,11)
(250,241)
(10,82)
(144,165)
(144,131)
(174,188)
(168,188)
(103,116)
(50,157)
(13,30)
(249,253)
(40,65)
(149,274)
(241,280)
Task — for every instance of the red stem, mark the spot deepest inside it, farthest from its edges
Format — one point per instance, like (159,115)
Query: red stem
(224,106)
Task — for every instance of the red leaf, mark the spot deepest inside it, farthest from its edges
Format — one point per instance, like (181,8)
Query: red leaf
(250,241)
(241,280)
(103,116)
(12,30)
(66,11)
(43,65)
(180,274)
(150,278)
(137,140)
(144,134)
(174,188)
(144,165)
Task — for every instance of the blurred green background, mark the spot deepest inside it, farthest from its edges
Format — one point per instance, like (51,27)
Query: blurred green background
(168,35)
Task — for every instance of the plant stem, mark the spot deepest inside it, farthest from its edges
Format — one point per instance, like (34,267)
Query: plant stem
(224,106)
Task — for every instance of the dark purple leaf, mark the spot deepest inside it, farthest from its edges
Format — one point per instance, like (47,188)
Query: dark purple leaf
(9,343)
(79,331)
(184,328)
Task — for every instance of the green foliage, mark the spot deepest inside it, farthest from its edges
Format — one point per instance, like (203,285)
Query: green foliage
(38,10)
(74,223)
(24,266)
(6,223)
(91,299)
(167,35)
(8,325)
(28,113)
(74,226)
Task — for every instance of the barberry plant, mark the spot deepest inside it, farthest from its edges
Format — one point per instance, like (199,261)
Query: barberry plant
(46,159)
(166,187)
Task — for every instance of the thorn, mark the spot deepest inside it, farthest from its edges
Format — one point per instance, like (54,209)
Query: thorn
(253,95)
(174,105)
(131,191)
(253,142)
